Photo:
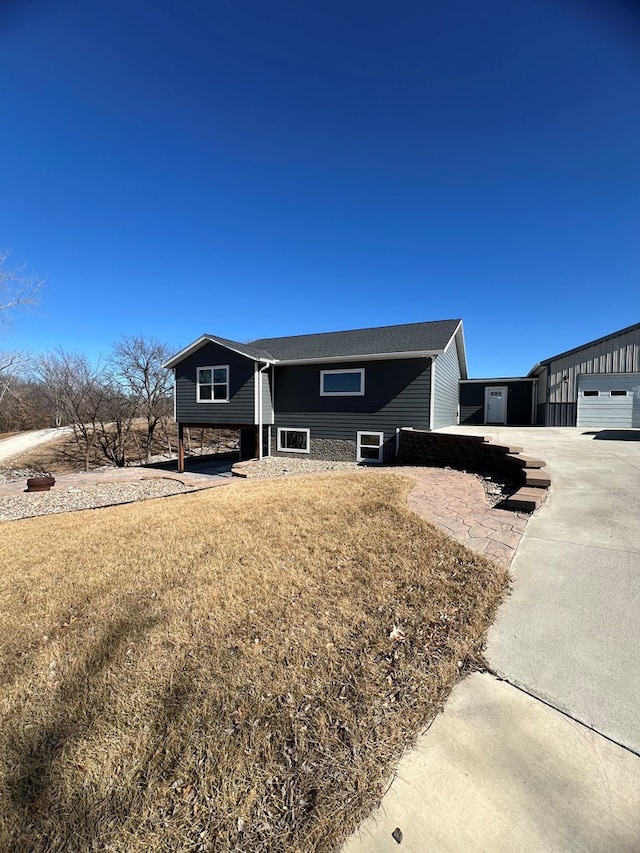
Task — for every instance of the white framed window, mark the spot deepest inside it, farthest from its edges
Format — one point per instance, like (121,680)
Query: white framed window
(342,383)
(618,392)
(590,393)
(369,446)
(293,440)
(212,384)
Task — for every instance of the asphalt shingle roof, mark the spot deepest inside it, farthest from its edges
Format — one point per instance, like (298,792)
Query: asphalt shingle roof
(411,337)
(249,350)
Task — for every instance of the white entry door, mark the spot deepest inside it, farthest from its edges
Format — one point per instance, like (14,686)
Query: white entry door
(495,405)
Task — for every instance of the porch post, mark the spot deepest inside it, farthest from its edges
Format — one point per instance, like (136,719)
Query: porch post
(180,448)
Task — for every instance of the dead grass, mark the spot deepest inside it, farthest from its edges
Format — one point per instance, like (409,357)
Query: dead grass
(63,456)
(232,670)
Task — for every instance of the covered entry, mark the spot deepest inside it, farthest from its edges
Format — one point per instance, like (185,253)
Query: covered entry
(609,400)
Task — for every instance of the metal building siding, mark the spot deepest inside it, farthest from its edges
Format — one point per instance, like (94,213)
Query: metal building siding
(620,354)
(446,387)
(239,409)
(604,410)
(396,394)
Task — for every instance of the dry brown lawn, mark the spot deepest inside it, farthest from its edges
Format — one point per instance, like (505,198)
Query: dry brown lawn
(63,456)
(236,669)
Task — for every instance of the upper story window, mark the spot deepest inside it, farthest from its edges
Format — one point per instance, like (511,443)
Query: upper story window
(342,383)
(212,384)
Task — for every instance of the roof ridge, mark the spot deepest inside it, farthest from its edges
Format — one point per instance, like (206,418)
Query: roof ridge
(358,329)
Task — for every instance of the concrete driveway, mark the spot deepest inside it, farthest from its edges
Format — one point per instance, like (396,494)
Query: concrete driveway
(543,755)
(570,631)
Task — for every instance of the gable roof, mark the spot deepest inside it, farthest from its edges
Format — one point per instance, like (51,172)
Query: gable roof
(242,349)
(419,338)
(574,350)
(409,339)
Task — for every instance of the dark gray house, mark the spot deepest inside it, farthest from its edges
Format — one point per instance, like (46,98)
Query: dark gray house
(334,395)
(594,385)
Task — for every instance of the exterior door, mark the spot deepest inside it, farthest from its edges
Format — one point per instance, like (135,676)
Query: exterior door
(495,405)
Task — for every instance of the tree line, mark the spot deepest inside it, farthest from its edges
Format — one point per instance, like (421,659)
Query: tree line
(102,404)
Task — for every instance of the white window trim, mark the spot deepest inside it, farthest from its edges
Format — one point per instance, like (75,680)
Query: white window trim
(282,449)
(359,393)
(360,433)
(198,383)
(590,392)
(619,392)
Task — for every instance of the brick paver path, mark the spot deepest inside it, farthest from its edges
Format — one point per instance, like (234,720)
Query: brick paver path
(456,503)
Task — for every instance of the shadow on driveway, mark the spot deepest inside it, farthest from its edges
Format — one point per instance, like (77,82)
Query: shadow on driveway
(615,434)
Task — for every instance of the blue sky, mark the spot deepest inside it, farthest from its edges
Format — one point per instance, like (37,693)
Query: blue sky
(258,169)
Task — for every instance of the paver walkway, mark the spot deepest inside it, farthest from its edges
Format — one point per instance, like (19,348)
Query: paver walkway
(456,503)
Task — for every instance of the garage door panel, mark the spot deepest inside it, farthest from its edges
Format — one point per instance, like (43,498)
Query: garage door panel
(609,400)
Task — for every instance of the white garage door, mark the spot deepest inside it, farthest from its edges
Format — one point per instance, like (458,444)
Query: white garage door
(609,400)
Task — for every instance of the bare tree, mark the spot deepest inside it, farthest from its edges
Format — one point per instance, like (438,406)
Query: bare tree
(137,363)
(114,421)
(16,289)
(76,392)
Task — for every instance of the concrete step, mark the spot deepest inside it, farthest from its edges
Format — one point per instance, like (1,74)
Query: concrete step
(507,448)
(526,499)
(536,477)
(525,461)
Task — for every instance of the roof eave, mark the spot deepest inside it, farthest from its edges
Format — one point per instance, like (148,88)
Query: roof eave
(211,339)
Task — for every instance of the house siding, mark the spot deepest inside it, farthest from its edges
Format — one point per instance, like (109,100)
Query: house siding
(519,401)
(241,406)
(396,395)
(446,387)
(619,354)
(267,397)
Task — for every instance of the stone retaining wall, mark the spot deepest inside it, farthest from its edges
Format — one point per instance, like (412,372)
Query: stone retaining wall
(463,452)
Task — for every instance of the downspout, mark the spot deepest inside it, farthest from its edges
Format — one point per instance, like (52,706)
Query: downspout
(432,389)
(260,374)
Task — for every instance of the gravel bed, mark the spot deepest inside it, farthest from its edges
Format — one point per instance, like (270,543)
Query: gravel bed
(279,466)
(28,505)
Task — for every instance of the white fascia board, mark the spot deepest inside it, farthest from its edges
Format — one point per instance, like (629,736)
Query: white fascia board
(202,340)
(492,380)
(458,337)
(210,339)
(379,356)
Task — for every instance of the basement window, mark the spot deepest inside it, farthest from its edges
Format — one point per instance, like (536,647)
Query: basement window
(369,447)
(212,384)
(342,383)
(590,393)
(293,440)
(622,392)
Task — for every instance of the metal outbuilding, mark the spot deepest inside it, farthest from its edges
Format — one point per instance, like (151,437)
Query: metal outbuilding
(595,385)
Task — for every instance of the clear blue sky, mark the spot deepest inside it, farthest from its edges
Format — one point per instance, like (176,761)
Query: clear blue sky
(269,168)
